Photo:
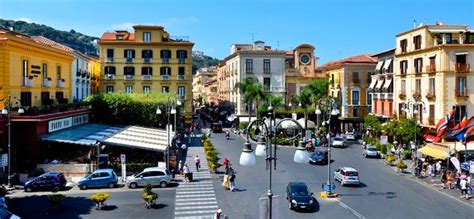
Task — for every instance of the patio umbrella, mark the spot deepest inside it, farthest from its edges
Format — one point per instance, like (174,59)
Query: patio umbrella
(310,123)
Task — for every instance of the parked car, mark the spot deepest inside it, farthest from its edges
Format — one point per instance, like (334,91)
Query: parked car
(153,175)
(350,136)
(298,196)
(4,213)
(47,181)
(371,152)
(338,142)
(347,176)
(319,156)
(99,178)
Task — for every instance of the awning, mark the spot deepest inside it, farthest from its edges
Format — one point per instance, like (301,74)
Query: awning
(372,84)
(379,84)
(87,134)
(436,151)
(139,137)
(379,65)
(387,83)
(387,64)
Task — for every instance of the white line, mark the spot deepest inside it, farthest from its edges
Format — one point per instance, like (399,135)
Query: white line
(196,192)
(194,199)
(196,217)
(354,212)
(195,185)
(195,188)
(197,203)
(196,207)
(195,212)
(196,195)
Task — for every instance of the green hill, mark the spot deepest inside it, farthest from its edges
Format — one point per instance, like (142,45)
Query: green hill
(204,61)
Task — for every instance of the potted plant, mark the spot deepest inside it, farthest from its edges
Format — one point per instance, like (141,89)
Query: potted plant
(55,200)
(401,166)
(99,199)
(149,196)
(389,159)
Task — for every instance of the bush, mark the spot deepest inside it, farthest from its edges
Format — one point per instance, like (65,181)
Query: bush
(383,149)
(401,165)
(390,158)
(131,167)
(148,195)
(407,154)
(378,146)
(100,197)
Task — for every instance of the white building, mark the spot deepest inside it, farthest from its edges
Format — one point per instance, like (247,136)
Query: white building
(258,61)
(81,76)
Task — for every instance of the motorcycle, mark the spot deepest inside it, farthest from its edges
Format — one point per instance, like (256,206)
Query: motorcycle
(227,135)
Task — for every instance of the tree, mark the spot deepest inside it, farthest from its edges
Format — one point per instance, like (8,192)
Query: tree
(252,90)
(318,89)
(373,123)
(304,98)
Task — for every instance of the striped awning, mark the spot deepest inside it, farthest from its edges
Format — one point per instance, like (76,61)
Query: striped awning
(387,64)
(379,65)
(140,138)
(436,151)
(379,84)
(372,84)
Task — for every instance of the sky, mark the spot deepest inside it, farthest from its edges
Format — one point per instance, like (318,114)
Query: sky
(337,28)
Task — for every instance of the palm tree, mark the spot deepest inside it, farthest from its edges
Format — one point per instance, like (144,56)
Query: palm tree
(318,89)
(252,90)
(304,99)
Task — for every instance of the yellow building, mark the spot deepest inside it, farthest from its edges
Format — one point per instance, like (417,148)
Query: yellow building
(201,82)
(349,80)
(94,69)
(432,67)
(148,60)
(32,72)
(300,69)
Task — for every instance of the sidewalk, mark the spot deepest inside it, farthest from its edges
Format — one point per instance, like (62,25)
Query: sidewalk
(433,183)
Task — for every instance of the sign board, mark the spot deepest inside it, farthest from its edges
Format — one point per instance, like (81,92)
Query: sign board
(383,140)
(4,161)
(294,116)
(124,172)
(471,166)
(161,164)
(122,158)
(64,123)
(263,207)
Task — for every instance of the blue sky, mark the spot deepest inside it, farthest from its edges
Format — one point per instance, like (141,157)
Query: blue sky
(337,28)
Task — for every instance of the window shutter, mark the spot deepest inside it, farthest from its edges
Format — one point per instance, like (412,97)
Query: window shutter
(133,54)
(125,53)
(161,53)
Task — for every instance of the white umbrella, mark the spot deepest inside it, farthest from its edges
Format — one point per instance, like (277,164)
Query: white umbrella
(287,124)
(231,118)
(310,123)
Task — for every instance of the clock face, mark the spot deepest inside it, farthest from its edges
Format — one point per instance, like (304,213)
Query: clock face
(305,59)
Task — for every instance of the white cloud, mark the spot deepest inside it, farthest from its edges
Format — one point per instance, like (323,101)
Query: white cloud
(25,19)
(123,26)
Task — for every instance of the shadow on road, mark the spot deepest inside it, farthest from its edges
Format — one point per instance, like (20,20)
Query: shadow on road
(109,208)
(158,206)
(37,207)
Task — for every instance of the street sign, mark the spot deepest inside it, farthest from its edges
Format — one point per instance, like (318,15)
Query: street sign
(383,140)
(122,158)
(4,161)
(471,166)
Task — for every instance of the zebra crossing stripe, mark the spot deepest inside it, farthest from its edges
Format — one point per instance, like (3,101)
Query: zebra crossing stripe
(195,188)
(196,212)
(195,192)
(196,217)
(195,195)
(197,203)
(194,199)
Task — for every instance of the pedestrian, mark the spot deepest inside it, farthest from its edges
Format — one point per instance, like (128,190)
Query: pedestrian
(180,167)
(438,168)
(226,165)
(218,214)
(232,180)
(449,178)
(457,179)
(444,179)
(183,149)
(197,161)
(429,170)
(186,173)
(463,186)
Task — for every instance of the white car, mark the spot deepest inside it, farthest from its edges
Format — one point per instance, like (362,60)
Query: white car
(347,176)
(350,136)
(371,152)
(152,175)
(338,142)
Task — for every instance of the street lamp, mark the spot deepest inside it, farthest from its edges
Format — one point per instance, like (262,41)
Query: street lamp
(7,111)
(170,108)
(265,147)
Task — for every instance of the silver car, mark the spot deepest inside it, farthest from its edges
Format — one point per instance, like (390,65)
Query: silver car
(153,175)
(347,176)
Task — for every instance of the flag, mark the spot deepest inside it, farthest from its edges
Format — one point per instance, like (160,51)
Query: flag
(469,132)
(462,124)
(462,127)
(443,123)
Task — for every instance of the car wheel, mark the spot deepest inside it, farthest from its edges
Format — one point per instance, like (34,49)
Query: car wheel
(163,184)
(83,187)
(29,189)
(133,185)
(111,185)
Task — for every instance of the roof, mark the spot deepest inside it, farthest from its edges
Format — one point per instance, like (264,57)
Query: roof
(357,59)
(45,41)
(112,36)
(431,26)
(304,46)
(104,170)
(349,169)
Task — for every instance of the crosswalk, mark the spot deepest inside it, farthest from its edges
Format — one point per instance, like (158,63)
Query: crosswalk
(197,199)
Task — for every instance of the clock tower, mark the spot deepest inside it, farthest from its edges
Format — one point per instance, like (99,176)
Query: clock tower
(304,59)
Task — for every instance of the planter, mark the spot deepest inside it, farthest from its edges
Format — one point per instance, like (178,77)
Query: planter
(149,196)
(99,199)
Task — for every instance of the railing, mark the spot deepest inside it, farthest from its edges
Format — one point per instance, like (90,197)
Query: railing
(462,68)
(430,68)
(27,82)
(147,60)
(165,77)
(61,83)
(181,77)
(416,94)
(128,77)
(278,89)
(110,77)
(110,59)
(46,83)
(430,94)
(355,80)
(129,60)
(165,61)
(461,93)
(146,77)
(181,61)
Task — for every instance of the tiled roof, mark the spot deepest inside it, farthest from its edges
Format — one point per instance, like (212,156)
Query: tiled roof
(357,59)
(51,43)
(109,36)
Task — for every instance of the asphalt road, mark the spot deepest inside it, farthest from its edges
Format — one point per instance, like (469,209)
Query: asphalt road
(383,194)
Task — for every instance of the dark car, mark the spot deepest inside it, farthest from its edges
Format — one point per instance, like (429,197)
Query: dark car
(217,127)
(319,156)
(47,181)
(298,196)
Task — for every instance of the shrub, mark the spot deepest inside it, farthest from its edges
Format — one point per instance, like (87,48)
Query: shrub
(100,197)
(390,158)
(401,165)
(378,146)
(131,167)
(383,149)
(407,154)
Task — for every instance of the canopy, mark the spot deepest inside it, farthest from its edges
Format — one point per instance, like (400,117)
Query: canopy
(372,84)
(387,64)
(379,84)
(287,124)
(436,151)
(387,83)
(379,65)
(310,123)
(87,134)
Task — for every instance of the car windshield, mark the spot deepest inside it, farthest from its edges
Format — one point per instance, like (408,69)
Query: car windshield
(337,139)
(371,149)
(351,173)
(299,190)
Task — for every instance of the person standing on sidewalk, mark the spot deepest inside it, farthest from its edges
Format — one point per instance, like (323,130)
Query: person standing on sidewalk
(232,179)
(463,186)
(438,168)
(197,161)
(186,173)
(226,165)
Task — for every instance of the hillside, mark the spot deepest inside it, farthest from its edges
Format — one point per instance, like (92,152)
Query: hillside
(204,61)
(73,39)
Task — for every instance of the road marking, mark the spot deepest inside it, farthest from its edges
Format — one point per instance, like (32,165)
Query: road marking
(195,199)
(195,212)
(197,207)
(195,188)
(195,192)
(354,212)
(197,203)
(195,217)
(197,195)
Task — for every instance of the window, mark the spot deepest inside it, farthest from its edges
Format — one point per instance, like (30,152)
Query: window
(165,71)
(403,87)
(461,59)
(146,37)
(45,71)
(418,86)
(104,174)
(181,91)
(119,37)
(165,89)
(266,66)
(59,96)
(146,89)
(58,72)
(432,86)
(128,89)
(110,53)
(403,67)
(417,42)
(355,77)
(110,70)
(355,97)
(25,68)
(165,54)
(449,38)
(25,99)
(248,65)
(403,45)
(44,97)
(181,71)
(110,89)
(129,70)
(266,84)
(129,53)
(460,111)
(182,55)
(461,87)
(147,71)
(432,114)
(147,54)
(418,65)
(369,98)
(332,79)
(355,112)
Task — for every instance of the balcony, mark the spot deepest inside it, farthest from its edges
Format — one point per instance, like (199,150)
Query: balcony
(129,60)
(128,77)
(165,77)
(461,93)
(181,61)
(61,83)
(402,95)
(278,89)
(147,60)
(46,82)
(181,78)
(109,59)
(430,94)
(27,82)
(146,77)
(462,68)
(417,94)
(430,68)
(355,80)
(109,77)
(165,61)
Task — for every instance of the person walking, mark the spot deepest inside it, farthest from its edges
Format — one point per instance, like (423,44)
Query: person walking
(450,179)
(218,214)
(438,168)
(197,162)
(180,167)
(429,170)
(232,179)
(463,186)
(183,149)
(186,173)
(226,164)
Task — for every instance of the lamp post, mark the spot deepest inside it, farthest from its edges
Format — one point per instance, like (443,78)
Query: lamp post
(266,148)
(170,108)
(413,106)
(331,106)
(7,111)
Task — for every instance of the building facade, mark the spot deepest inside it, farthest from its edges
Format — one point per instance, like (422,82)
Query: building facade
(147,60)
(81,77)
(252,60)
(94,69)
(381,86)
(432,65)
(33,73)
(201,79)
(349,80)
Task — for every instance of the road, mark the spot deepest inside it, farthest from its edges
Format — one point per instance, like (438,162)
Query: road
(383,192)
